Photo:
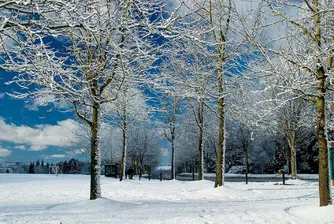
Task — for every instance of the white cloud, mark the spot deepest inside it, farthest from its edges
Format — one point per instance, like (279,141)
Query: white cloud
(4,152)
(58,156)
(80,151)
(2,95)
(43,101)
(40,136)
(37,147)
(21,147)
(54,156)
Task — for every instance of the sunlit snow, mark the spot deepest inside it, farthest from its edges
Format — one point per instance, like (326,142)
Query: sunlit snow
(64,199)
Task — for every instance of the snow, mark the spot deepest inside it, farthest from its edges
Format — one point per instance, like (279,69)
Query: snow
(64,199)
(260,176)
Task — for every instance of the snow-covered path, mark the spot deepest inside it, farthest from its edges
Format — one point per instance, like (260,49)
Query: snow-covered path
(64,199)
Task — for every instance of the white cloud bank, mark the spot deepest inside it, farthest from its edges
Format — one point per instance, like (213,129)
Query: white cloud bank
(43,101)
(4,152)
(21,147)
(58,156)
(40,136)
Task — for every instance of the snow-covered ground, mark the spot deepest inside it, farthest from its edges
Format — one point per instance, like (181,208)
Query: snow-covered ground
(257,176)
(64,199)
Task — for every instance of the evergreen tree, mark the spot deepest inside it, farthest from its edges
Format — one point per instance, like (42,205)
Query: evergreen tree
(31,168)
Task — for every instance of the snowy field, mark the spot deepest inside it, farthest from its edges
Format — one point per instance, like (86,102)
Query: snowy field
(64,199)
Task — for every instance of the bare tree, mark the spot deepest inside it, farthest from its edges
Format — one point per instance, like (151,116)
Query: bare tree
(143,146)
(219,40)
(187,142)
(101,40)
(110,142)
(292,119)
(190,71)
(170,107)
(130,106)
(309,38)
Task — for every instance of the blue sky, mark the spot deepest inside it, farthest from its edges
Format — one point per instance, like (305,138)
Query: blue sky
(23,125)
(30,132)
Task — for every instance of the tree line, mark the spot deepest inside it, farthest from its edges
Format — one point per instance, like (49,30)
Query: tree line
(72,166)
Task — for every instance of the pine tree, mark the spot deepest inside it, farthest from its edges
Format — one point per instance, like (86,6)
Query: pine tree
(31,168)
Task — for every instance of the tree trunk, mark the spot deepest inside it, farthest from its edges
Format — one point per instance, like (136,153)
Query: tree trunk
(124,138)
(172,175)
(292,145)
(95,169)
(219,36)
(220,156)
(200,142)
(246,162)
(220,166)
(200,154)
(324,190)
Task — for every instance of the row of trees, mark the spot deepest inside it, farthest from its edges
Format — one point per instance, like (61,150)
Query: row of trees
(142,149)
(72,166)
(38,167)
(264,149)
(214,61)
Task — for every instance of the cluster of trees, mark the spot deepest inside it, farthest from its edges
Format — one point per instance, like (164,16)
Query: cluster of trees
(142,150)
(212,77)
(263,152)
(73,166)
(39,167)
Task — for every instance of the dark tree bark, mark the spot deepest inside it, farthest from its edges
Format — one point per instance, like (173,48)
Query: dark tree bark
(324,191)
(124,136)
(173,156)
(246,162)
(95,169)
(292,145)
(200,141)
(220,148)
